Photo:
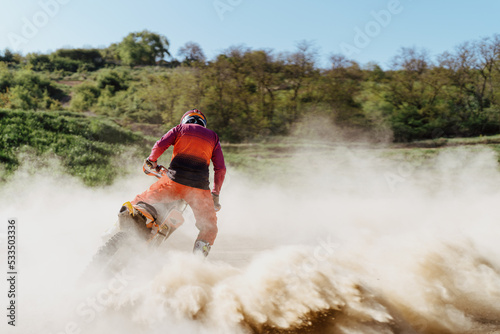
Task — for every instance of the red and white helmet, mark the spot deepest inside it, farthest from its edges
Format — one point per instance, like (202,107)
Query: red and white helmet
(194,116)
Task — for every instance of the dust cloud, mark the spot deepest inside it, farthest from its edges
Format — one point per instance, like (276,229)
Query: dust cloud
(356,240)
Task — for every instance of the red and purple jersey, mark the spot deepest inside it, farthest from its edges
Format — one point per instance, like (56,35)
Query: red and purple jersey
(194,147)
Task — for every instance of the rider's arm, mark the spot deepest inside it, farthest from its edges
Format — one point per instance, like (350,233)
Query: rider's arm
(219,168)
(162,144)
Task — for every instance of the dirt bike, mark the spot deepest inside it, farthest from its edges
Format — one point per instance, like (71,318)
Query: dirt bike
(137,225)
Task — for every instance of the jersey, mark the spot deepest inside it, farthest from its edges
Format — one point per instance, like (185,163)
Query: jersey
(194,147)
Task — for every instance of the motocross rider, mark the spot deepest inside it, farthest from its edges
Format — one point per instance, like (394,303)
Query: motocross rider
(188,175)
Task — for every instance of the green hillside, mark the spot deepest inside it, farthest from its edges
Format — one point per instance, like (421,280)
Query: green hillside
(86,146)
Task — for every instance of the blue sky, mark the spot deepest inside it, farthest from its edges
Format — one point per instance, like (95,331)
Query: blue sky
(364,30)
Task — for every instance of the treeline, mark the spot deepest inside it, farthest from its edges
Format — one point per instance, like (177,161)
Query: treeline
(248,93)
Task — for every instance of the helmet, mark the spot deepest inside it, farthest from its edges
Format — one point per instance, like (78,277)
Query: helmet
(194,117)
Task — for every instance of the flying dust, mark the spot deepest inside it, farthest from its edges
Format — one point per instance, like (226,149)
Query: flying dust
(355,241)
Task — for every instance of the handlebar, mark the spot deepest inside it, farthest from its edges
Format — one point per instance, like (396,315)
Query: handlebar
(158,172)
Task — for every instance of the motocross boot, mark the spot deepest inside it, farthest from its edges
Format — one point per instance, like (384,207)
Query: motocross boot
(201,247)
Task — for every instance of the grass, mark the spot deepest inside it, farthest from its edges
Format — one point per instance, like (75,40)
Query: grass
(446,142)
(275,161)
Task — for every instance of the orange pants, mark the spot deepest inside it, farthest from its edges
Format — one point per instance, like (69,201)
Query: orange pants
(165,190)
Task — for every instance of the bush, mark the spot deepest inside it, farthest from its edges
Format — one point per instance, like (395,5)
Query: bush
(28,90)
(67,60)
(65,64)
(89,59)
(85,96)
(39,62)
(6,78)
(115,80)
(408,124)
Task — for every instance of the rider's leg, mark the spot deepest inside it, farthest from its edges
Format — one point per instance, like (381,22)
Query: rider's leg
(163,190)
(202,204)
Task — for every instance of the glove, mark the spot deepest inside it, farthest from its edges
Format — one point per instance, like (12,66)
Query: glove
(217,205)
(151,164)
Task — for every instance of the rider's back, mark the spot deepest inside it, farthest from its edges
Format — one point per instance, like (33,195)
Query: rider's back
(194,147)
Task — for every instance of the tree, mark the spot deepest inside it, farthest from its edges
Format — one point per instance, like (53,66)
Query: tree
(488,53)
(110,54)
(339,87)
(472,73)
(220,77)
(413,80)
(471,69)
(298,68)
(192,53)
(142,48)
(266,71)
(415,89)
(339,61)
(7,57)
(6,78)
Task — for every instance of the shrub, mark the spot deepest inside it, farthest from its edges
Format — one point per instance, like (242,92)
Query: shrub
(115,80)
(85,96)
